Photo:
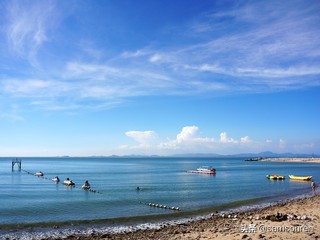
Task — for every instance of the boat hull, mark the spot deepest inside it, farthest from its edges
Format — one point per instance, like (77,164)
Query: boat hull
(68,183)
(202,172)
(39,174)
(300,178)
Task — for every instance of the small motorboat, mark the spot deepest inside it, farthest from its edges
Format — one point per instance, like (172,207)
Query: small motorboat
(275,177)
(301,178)
(86,185)
(68,182)
(39,174)
(56,179)
(204,170)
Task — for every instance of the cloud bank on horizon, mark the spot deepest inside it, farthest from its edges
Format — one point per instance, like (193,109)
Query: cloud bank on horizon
(189,141)
(75,57)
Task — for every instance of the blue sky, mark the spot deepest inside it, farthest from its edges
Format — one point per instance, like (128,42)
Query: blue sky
(163,77)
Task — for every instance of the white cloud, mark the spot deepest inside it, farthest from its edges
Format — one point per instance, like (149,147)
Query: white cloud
(224,138)
(188,133)
(187,139)
(155,58)
(266,56)
(144,138)
(137,53)
(245,140)
(30,87)
(27,25)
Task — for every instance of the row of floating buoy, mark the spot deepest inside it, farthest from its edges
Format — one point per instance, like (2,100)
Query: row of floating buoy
(67,182)
(162,206)
(86,187)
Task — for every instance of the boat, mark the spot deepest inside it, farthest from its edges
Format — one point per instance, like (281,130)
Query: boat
(86,185)
(56,179)
(204,170)
(275,177)
(39,174)
(68,182)
(253,159)
(301,178)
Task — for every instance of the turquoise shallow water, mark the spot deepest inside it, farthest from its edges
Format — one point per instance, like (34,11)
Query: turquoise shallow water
(28,199)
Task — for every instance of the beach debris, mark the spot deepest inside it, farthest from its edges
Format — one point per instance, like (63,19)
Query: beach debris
(277,217)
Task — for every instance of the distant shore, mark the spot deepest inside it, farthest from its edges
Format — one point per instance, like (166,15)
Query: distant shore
(309,160)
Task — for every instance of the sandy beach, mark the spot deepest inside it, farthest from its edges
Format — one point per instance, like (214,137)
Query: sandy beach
(296,219)
(309,160)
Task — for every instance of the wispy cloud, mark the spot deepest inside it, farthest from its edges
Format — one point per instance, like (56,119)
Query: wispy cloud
(26,26)
(258,43)
(251,48)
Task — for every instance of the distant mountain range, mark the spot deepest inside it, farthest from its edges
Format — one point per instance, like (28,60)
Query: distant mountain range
(214,155)
(249,155)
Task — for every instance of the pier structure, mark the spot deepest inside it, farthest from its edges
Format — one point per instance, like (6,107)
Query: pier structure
(14,162)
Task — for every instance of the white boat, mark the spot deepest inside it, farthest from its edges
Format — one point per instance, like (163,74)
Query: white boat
(56,179)
(86,185)
(38,174)
(68,182)
(204,170)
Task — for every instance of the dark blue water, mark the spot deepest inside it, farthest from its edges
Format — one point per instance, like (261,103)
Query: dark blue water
(28,199)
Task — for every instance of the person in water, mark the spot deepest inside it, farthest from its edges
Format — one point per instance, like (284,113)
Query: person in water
(313,186)
(138,189)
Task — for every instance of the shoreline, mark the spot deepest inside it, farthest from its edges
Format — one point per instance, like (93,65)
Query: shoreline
(284,159)
(227,224)
(253,224)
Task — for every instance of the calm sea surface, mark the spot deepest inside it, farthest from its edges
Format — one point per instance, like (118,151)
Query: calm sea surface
(28,199)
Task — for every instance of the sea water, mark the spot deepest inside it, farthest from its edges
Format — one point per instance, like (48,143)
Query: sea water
(26,198)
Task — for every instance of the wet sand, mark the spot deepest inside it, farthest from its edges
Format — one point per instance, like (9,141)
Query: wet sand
(297,219)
